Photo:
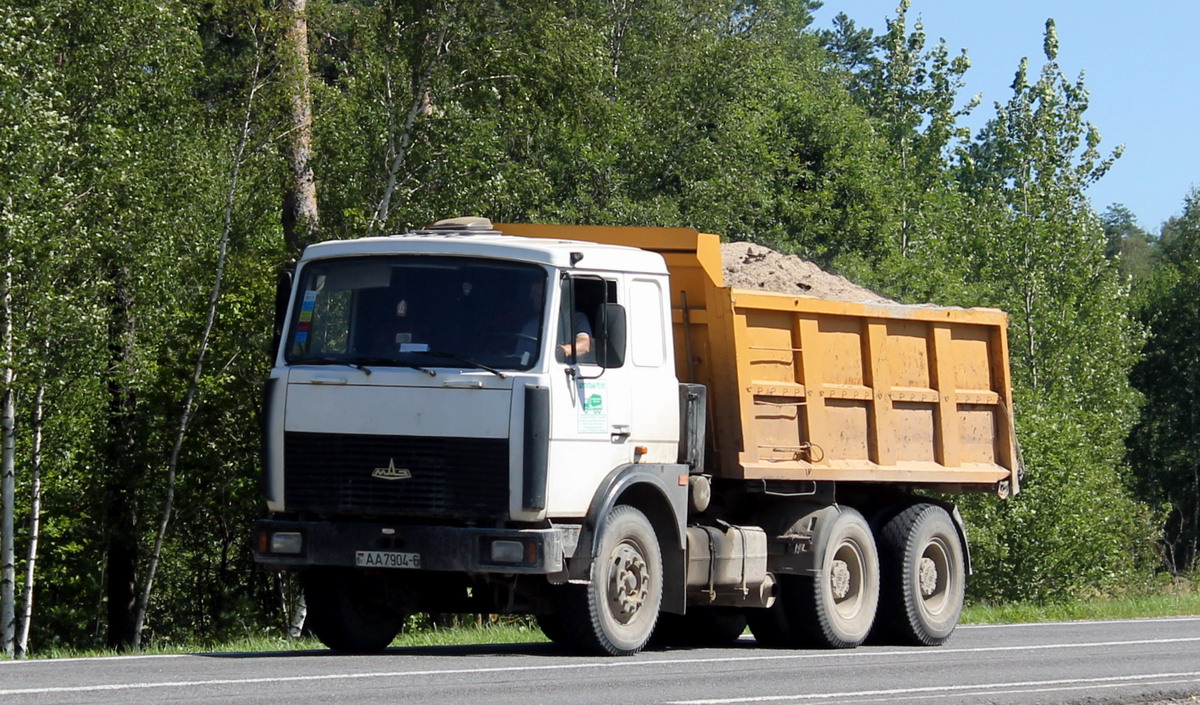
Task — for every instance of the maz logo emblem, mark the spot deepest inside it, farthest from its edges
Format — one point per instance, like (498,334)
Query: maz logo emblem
(391,472)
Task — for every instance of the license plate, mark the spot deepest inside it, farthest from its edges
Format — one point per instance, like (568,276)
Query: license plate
(386,559)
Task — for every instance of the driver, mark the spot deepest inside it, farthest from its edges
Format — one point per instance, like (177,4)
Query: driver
(526,344)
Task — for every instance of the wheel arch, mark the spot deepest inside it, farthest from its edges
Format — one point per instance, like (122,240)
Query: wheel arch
(655,491)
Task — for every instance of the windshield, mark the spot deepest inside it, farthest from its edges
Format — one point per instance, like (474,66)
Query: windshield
(418,311)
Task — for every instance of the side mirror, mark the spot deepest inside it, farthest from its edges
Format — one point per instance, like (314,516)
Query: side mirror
(283,295)
(610,340)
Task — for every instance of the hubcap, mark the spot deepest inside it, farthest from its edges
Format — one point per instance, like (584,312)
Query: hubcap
(839,579)
(628,583)
(929,579)
(934,576)
(847,571)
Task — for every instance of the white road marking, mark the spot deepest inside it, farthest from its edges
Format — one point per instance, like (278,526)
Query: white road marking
(1019,691)
(606,664)
(938,690)
(1078,622)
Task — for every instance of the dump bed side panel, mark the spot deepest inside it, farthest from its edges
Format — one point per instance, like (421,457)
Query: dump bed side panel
(863,392)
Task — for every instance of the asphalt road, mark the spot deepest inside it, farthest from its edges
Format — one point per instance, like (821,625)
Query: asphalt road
(1083,662)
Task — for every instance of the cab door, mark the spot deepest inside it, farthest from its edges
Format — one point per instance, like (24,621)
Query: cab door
(591,416)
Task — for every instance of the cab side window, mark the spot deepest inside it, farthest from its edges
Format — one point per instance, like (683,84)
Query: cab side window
(581,315)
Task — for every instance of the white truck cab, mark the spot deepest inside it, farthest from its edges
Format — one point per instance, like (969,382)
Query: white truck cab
(454,400)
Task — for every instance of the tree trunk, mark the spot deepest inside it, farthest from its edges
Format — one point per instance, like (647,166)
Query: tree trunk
(121,482)
(621,17)
(296,626)
(8,479)
(300,218)
(35,516)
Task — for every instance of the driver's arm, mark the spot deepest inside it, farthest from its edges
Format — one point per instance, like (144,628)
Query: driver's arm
(583,337)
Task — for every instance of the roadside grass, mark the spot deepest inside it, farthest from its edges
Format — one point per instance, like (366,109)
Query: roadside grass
(516,633)
(1157,604)
(245,644)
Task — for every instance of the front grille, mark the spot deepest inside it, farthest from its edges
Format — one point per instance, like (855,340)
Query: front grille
(331,474)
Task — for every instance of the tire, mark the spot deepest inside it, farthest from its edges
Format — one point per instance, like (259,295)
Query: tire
(616,611)
(836,609)
(923,577)
(347,610)
(700,627)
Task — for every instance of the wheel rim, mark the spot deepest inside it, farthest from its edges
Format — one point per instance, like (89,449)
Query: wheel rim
(846,579)
(628,582)
(934,576)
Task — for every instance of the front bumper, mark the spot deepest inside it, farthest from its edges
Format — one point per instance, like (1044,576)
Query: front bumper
(451,549)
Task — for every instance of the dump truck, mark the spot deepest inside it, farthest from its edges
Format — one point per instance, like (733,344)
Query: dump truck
(584,424)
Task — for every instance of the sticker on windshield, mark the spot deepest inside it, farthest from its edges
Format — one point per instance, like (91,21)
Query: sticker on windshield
(593,406)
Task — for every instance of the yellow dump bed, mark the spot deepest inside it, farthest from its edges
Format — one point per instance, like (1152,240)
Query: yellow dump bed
(809,389)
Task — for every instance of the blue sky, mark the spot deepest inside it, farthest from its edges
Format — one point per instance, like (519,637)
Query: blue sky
(1141,63)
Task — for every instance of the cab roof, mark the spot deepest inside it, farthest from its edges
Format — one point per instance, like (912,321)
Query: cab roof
(479,242)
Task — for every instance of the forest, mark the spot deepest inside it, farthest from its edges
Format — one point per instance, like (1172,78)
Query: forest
(161,160)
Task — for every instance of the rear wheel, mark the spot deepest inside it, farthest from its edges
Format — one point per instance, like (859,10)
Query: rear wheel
(836,608)
(348,611)
(924,576)
(616,612)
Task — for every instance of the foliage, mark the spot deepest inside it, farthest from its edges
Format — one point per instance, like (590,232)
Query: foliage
(1165,447)
(1128,243)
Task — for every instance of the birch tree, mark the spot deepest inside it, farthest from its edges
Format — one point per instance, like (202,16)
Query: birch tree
(31,149)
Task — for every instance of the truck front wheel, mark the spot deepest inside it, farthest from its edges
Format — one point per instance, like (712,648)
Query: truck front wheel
(348,612)
(616,612)
(923,574)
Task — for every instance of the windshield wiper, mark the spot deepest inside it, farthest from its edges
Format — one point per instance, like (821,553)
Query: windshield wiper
(392,362)
(330,361)
(360,363)
(465,360)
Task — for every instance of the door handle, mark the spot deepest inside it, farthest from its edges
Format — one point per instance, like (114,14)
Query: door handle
(320,379)
(463,384)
